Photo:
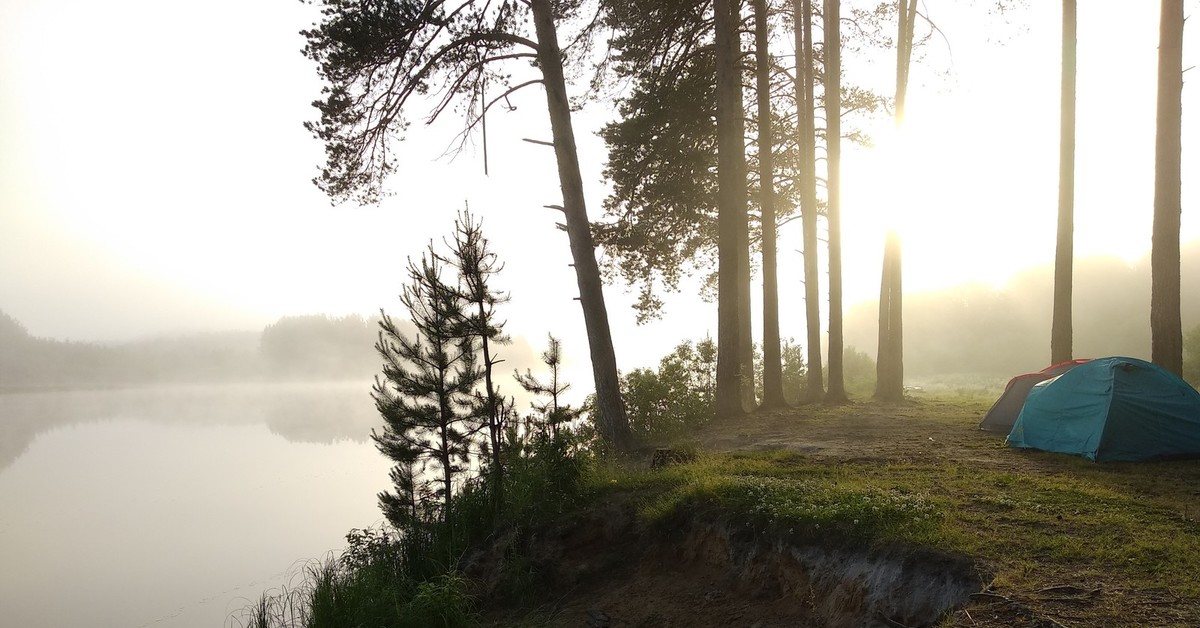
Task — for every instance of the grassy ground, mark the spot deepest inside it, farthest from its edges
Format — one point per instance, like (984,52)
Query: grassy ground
(1071,540)
(1063,541)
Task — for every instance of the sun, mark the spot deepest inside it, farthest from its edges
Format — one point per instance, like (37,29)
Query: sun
(958,193)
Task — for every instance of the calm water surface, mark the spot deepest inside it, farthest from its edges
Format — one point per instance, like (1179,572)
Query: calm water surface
(174,507)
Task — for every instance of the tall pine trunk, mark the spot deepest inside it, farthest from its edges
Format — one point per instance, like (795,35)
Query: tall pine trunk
(889,367)
(772,361)
(745,328)
(495,437)
(904,45)
(1061,327)
(731,214)
(1166,330)
(833,138)
(612,422)
(805,78)
(889,362)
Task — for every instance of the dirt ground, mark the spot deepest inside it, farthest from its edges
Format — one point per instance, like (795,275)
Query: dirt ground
(640,587)
(864,432)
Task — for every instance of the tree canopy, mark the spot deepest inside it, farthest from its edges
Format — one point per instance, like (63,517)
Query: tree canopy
(659,224)
(375,57)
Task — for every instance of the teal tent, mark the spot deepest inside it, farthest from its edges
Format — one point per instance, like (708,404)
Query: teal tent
(1112,409)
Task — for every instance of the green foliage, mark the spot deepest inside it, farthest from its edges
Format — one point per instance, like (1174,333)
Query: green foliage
(660,222)
(794,370)
(373,57)
(551,414)
(858,369)
(477,266)
(662,215)
(1191,356)
(548,480)
(441,603)
(675,399)
(425,395)
(784,495)
(817,508)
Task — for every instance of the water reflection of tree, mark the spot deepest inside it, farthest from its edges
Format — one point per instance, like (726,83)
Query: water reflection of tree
(316,416)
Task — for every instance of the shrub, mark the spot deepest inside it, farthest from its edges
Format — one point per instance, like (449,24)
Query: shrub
(1191,356)
(442,602)
(858,371)
(792,360)
(676,398)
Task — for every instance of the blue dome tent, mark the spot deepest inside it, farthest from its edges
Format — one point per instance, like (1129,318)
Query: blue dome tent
(1112,409)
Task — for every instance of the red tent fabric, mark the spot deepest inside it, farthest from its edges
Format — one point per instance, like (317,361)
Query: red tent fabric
(1003,413)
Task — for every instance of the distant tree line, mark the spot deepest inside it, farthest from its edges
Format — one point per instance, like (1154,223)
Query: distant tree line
(294,347)
(980,329)
(320,346)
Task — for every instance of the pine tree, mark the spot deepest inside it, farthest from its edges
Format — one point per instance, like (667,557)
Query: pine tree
(477,264)
(426,393)
(555,413)
(382,60)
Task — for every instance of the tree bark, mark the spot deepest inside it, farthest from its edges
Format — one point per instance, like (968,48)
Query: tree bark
(1166,330)
(833,138)
(745,315)
(897,317)
(904,45)
(1061,326)
(731,215)
(612,421)
(495,437)
(889,366)
(772,361)
(803,13)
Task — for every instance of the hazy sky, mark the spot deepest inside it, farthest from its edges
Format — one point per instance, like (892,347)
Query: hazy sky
(154,174)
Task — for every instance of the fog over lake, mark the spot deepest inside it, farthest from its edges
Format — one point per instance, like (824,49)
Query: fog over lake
(175,506)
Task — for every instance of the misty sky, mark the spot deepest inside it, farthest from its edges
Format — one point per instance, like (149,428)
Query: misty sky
(154,174)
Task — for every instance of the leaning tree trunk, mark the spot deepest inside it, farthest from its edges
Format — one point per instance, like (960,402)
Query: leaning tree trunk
(612,422)
(803,14)
(1061,327)
(731,210)
(1166,330)
(833,137)
(772,361)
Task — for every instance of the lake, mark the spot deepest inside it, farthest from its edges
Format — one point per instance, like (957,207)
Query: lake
(175,507)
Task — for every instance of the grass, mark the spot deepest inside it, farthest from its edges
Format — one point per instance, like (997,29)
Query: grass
(1034,520)
(778,493)
(1133,525)
(1080,524)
